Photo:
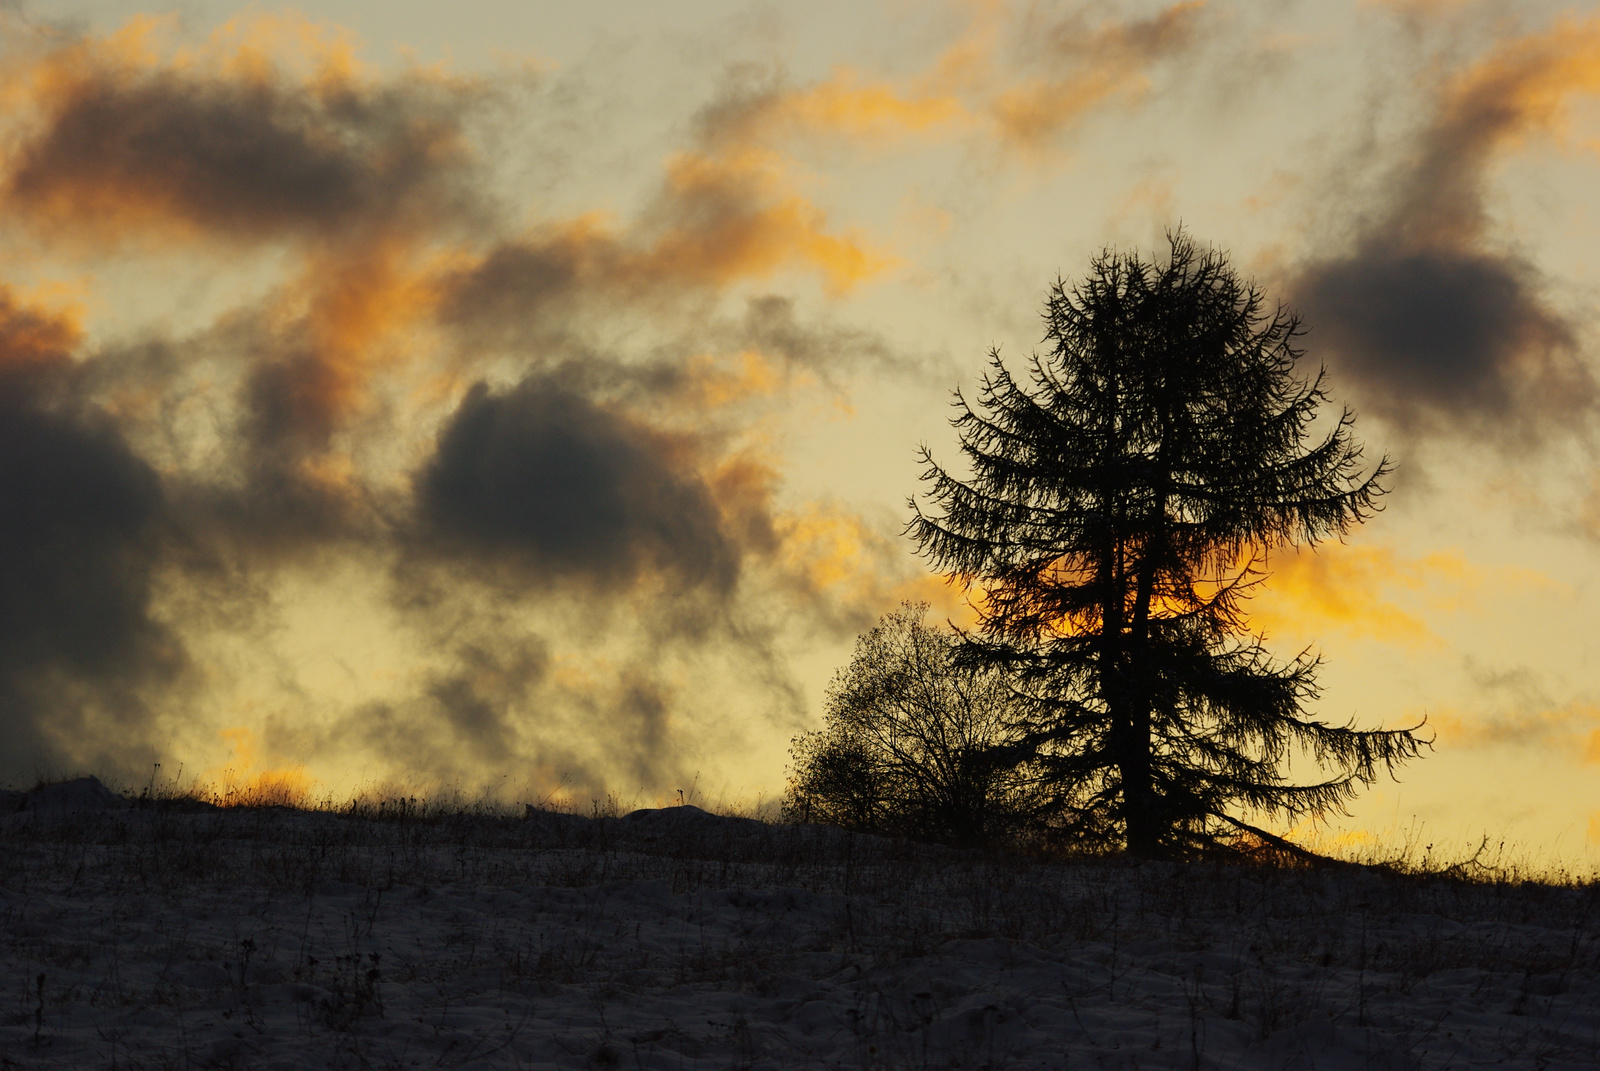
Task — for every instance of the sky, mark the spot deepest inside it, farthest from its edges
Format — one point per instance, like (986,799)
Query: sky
(526,396)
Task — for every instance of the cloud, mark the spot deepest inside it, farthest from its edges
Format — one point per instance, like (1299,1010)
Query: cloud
(1571,728)
(506,703)
(557,487)
(525,447)
(716,221)
(230,143)
(467,714)
(1441,331)
(1020,81)
(272,142)
(756,106)
(1448,340)
(1372,592)
(264,416)
(1101,63)
(80,546)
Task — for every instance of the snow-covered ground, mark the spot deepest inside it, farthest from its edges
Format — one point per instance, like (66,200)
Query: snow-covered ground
(185,938)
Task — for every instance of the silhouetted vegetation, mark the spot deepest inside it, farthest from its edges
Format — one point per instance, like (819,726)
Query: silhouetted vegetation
(1122,504)
(914,743)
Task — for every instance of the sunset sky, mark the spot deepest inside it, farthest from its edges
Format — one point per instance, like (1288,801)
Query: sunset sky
(527,394)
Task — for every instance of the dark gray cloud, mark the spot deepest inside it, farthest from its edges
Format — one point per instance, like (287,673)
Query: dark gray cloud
(259,159)
(1450,341)
(1436,327)
(520,288)
(81,540)
(548,481)
(770,324)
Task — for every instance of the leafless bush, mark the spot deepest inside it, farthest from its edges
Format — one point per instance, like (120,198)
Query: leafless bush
(914,744)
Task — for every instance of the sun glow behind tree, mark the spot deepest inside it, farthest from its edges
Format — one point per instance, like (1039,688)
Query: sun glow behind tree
(1121,500)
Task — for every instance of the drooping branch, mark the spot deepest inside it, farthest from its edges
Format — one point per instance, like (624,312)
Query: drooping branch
(1122,495)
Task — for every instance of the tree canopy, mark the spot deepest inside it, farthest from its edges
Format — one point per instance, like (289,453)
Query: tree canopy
(912,743)
(1122,502)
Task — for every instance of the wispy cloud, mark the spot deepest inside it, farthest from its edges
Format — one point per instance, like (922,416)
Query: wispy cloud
(1020,80)
(1076,66)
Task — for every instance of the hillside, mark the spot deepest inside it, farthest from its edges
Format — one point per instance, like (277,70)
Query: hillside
(173,935)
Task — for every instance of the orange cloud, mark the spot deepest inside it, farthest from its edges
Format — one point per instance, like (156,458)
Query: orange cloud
(719,219)
(715,382)
(842,106)
(743,487)
(256,47)
(1022,79)
(1518,90)
(349,316)
(1110,61)
(1345,588)
(1523,86)
(837,561)
(33,338)
(727,216)
(875,110)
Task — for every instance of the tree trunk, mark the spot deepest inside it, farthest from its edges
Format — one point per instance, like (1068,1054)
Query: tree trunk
(1145,821)
(1139,807)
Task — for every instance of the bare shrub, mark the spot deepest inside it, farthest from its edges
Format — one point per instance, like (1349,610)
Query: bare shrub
(914,743)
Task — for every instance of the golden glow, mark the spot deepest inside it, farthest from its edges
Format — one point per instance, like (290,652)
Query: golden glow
(836,557)
(1350,589)
(239,784)
(846,105)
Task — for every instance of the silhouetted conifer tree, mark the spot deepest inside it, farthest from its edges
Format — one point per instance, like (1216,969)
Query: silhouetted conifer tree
(1121,506)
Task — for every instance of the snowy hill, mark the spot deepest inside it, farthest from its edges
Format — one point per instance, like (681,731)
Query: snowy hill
(177,936)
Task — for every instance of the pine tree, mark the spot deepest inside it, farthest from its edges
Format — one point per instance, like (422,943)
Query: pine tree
(1121,508)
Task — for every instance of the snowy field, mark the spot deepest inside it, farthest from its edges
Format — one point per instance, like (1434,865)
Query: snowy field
(180,937)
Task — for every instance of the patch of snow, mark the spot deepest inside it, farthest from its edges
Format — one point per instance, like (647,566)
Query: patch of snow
(682,940)
(688,819)
(71,797)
